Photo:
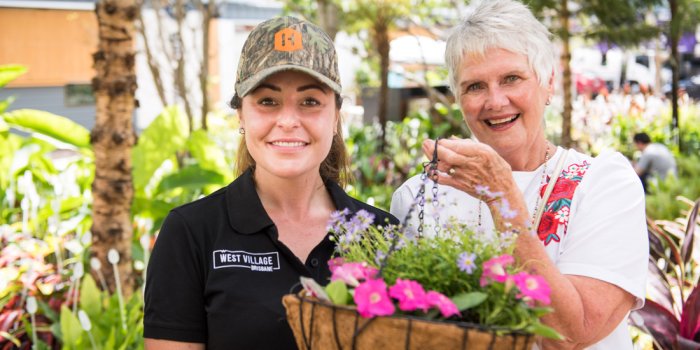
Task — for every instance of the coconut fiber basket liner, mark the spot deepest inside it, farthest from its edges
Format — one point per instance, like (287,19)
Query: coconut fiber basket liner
(320,325)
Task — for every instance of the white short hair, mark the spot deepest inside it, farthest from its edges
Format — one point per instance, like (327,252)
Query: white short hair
(503,24)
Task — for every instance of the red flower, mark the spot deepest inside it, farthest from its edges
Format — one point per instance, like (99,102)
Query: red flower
(548,225)
(564,188)
(543,187)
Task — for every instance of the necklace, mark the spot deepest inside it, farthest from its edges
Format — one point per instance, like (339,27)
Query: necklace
(542,182)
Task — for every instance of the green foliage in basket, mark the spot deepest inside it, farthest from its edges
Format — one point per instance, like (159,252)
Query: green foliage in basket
(474,269)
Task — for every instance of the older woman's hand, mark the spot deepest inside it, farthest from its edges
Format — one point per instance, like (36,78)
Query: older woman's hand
(465,164)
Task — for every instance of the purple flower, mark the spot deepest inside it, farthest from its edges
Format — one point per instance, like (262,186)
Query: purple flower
(337,221)
(372,299)
(482,190)
(465,262)
(485,192)
(359,223)
(364,217)
(444,304)
(379,257)
(410,295)
(338,215)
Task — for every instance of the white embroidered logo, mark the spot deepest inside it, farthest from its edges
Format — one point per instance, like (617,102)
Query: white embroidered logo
(265,262)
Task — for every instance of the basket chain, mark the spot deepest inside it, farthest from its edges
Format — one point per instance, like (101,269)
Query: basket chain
(429,170)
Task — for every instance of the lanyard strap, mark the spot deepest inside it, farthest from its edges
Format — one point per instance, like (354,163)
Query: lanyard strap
(550,187)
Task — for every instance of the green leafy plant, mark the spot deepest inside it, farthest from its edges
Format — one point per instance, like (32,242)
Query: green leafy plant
(45,218)
(476,272)
(98,324)
(378,175)
(661,202)
(671,314)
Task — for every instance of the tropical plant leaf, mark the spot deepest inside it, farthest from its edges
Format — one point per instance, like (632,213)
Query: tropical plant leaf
(660,290)
(208,154)
(191,177)
(4,104)
(656,246)
(687,344)
(50,313)
(674,228)
(161,140)
(675,257)
(661,324)
(690,317)
(70,327)
(338,292)
(465,301)
(11,338)
(545,331)
(155,209)
(49,124)
(687,247)
(10,72)
(90,297)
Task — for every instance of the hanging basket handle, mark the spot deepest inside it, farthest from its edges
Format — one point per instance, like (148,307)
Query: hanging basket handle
(429,171)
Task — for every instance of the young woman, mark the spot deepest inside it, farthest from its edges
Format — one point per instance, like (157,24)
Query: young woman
(221,264)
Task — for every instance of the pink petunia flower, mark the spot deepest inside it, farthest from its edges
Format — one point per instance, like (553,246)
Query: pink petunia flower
(532,287)
(444,304)
(372,299)
(352,273)
(410,295)
(495,269)
(335,263)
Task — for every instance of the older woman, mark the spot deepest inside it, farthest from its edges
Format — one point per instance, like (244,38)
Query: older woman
(586,234)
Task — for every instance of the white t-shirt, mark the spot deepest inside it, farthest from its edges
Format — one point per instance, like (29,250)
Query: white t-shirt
(601,232)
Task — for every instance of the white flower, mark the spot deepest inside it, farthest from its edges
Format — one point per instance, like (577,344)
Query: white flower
(562,215)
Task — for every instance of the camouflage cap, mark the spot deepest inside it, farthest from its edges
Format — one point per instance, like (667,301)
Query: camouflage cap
(287,43)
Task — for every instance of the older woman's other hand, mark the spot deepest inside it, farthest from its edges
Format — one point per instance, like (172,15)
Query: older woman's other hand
(465,164)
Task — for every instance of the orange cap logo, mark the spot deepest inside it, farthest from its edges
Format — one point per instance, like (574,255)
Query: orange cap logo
(288,39)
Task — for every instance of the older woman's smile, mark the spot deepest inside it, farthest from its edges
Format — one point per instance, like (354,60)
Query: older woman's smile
(500,122)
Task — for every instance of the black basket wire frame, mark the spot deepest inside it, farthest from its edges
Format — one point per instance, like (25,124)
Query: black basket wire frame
(429,171)
(493,331)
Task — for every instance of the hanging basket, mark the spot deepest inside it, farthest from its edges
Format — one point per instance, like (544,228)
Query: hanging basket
(320,325)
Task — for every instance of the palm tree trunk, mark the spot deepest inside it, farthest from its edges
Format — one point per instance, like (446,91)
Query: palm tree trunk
(327,14)
(113,137)
(566,139)
(675,72)
(207,11)
(382,42)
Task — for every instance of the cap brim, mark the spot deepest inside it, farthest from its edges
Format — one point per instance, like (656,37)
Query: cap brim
(245,87)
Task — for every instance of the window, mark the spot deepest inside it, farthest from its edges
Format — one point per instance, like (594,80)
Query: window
(78,95)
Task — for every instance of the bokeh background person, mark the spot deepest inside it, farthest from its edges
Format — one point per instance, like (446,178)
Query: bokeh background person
(655,160)
(590,240)
(221,264)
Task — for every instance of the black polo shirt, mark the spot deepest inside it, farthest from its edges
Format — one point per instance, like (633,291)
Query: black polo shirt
(218,271)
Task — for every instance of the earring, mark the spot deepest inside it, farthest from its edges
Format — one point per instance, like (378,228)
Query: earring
(241,131)
(549,101)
